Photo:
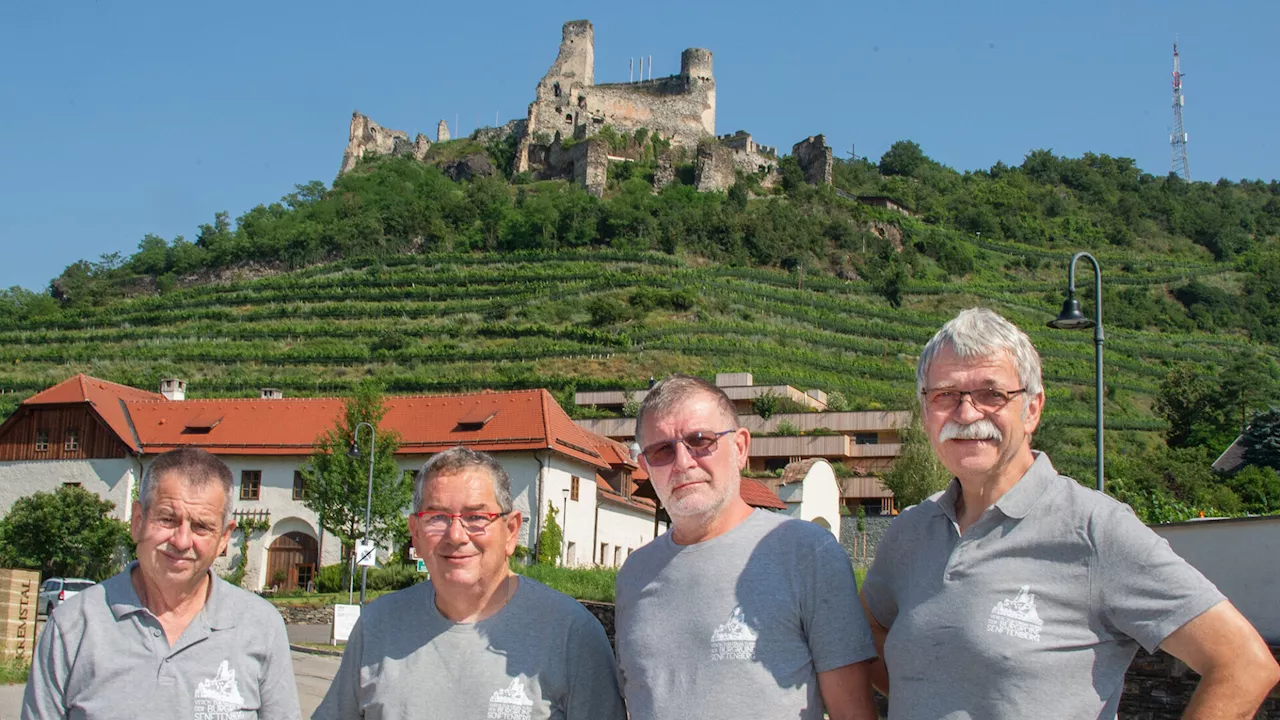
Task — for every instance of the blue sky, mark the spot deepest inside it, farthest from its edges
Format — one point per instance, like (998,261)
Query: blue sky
(122,119)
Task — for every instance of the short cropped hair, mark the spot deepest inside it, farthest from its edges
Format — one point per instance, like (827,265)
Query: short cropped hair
(674,391)
(455,460)
(197,468)
(981,333)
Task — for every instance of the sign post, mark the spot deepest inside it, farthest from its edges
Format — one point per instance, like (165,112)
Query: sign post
(344,619)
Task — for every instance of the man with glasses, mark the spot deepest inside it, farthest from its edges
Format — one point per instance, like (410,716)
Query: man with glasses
(477,641)
(1016,592)
(733,613)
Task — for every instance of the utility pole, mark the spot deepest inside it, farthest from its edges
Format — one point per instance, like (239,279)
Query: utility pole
(1178,139)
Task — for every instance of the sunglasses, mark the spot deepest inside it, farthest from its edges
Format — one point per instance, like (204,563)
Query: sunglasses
(984,399)
(699,443)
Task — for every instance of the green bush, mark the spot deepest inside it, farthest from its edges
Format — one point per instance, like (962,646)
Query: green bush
(594,584)
(394,577)
(329,579)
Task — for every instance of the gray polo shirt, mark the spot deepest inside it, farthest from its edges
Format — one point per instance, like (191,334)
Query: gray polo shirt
(541,657)
(103,655)
(738,626)
(1036,611)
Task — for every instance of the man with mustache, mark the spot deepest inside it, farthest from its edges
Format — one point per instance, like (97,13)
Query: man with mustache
(477,641)
(166,638)
(1018,593)
(734,612)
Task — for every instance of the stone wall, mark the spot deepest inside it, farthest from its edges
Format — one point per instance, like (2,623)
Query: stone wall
(1159,686)
(853,544)
(591,165)
(815,159)
(306,614)
(715,169)
(568,103)
(368,137)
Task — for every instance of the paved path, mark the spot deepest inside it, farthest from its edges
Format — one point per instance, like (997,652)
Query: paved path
(312,673)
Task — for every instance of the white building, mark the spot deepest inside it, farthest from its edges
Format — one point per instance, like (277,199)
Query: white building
(102,436)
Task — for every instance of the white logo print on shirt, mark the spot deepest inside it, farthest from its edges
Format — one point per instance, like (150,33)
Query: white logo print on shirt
(510,703)
(218,698)
(1017,617)
(734,640)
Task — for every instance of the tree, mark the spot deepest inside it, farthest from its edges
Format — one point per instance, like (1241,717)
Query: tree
(1190,401)
(1248,385)
(67,533)
(550,539)
(1261,440)
(337,484)
(903,158)
(917,473)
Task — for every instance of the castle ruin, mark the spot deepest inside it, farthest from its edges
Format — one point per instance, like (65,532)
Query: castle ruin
(558,138)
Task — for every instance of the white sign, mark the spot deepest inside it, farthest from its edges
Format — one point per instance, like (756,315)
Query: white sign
(344,619)
(366,554)
(422,566)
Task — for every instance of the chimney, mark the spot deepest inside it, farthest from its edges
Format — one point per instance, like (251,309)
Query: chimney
(272,394)
(173,389)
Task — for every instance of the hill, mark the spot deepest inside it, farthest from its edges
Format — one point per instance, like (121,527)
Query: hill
(398,273)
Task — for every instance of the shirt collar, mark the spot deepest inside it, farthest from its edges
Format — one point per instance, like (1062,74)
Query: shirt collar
(124,600)
(1015,503)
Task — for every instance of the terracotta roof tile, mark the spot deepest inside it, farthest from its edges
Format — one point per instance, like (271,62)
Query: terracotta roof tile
(756,494)
(104,397)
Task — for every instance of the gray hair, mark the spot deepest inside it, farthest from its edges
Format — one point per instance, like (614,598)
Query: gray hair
(457,459)
(197,468)
(981,333)
(674,391)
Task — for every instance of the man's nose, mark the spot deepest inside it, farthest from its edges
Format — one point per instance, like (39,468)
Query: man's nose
(182,536)
(967,411)
(456,533)
(684,456)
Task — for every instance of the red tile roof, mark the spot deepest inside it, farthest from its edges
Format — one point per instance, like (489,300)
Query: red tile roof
(757,494)
(104,397)
(488,421)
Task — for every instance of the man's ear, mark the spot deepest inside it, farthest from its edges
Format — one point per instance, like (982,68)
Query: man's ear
(226,537)
(742,446)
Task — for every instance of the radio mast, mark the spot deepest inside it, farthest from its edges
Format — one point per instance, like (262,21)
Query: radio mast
(1178,139)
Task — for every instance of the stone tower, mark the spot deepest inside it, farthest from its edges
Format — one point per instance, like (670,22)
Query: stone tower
(442,132)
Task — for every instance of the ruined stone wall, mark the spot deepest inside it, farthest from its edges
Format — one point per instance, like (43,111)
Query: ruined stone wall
(368,137)
(568,103)
(815,159)
(715,170)
(590,161)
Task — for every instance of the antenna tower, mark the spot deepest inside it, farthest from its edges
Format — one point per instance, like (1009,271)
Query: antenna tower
(1178,140)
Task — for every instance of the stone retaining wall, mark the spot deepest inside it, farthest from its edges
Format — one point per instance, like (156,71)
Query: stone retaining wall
(876,526)
(1159,686)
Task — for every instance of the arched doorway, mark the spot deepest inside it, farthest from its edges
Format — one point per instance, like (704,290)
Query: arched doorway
(291,561)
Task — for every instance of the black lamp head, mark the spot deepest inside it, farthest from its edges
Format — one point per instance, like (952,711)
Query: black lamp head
(354,452)
(1071,318)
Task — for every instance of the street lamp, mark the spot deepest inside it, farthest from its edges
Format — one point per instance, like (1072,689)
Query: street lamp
(564,530)
(354,452)
(1071,318)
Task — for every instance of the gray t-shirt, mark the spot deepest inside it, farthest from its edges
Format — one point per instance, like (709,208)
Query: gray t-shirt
(737,626)
(1036,611)
(542,656)
(103,655)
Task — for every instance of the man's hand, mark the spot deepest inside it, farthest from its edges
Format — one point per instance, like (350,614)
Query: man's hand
(846,693)
(1237,669)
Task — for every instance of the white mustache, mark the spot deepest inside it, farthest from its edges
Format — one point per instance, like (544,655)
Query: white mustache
(982,429)
(180,554)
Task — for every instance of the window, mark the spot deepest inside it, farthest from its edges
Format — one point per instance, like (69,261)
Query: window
(866,439)
(71,484)
(42,441)
(299,486)
(604,553)
(573,489)
(617,556)
(72,443)
(305,575)
(571,554)
(250,484)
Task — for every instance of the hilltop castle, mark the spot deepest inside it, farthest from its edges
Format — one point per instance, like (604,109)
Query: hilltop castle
(558,138)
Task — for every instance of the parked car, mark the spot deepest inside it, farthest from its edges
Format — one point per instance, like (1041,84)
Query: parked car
(55,591)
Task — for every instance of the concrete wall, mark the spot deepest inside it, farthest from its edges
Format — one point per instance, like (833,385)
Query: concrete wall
(110,479)
(624,529)
(816,498)
(1242,557)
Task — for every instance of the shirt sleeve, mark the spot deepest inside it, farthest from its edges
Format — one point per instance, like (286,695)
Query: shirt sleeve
(44,697)
(342,702)
(1143,589)
(279,689)
(877,586)
(835,626)
(593,681)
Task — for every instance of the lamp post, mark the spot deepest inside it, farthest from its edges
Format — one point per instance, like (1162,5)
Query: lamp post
(1071,318)
(368,503)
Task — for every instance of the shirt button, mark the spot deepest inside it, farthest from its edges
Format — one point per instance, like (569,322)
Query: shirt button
(156,633)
